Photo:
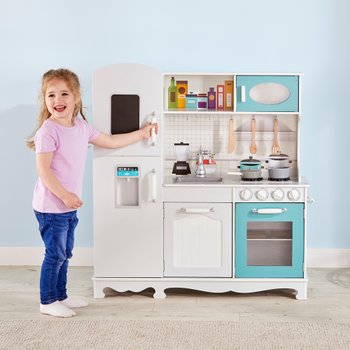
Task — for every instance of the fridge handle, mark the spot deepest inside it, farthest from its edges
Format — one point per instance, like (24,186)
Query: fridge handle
(153,131)
(152,186)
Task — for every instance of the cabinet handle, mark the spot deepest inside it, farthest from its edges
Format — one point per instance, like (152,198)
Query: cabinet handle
(243,93)
(197,210)
(269,211)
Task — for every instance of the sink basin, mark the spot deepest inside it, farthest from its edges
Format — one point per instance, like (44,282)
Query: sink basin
(196,179)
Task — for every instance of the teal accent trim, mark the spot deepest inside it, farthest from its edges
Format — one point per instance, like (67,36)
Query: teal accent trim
(127,173)
(294,214)
(291,82)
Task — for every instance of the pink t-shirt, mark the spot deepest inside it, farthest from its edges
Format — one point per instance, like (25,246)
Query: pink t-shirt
(69,147)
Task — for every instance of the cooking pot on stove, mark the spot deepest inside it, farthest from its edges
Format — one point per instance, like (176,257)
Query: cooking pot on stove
(278,161)
(282,173)
(250,164)
(250,169)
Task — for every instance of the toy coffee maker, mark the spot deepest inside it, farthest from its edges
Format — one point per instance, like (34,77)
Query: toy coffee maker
(181,167)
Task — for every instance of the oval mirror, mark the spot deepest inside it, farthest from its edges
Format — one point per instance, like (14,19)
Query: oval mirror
(269,93)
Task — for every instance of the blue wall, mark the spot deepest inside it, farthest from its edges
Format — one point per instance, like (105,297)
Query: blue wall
(225,35)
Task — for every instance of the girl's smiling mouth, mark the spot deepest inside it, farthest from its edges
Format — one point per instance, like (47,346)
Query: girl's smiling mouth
(60,108)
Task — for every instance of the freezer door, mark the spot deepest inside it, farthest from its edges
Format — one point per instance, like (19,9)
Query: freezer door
(126,97)
(128,217)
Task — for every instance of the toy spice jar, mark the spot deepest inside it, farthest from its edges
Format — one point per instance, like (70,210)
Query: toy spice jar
(211,98)
(191,101)
(182,89)
(202,101)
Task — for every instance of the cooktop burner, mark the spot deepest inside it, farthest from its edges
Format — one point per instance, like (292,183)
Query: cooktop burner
(251,180)
(284,179)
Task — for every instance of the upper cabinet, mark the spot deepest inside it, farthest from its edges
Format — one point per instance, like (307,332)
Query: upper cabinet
(267,93)
(230,93)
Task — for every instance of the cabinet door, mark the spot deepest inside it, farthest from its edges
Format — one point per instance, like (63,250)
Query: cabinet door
(198,239)
(269,240)
(262,93)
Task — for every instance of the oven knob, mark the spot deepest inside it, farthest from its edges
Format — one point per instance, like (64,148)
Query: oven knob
(246,194)
(262,194)
(277,194)
(293,195)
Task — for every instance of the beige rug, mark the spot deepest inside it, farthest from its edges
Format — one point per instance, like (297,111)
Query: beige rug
(171,335)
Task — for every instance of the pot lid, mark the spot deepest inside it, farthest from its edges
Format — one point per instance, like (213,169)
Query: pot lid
(278,156)
(250,160)
(181,144)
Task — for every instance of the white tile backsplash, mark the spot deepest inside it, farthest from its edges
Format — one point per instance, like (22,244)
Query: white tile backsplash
(208,131)
(211,132)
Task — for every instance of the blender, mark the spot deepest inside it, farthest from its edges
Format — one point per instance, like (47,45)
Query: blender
(181,167)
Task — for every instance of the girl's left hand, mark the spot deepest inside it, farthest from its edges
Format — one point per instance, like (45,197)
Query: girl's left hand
(147,130)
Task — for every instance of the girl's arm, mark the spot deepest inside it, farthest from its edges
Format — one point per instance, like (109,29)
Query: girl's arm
(43,165)
(121,140)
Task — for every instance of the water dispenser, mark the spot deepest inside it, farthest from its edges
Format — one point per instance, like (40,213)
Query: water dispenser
(127,189)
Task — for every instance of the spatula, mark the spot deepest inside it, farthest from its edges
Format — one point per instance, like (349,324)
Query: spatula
(276,149)
(253,147)
(231,139)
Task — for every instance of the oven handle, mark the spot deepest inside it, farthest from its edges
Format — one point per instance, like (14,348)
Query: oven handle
(269,210)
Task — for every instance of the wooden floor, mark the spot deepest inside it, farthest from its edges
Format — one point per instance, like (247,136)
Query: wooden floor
(328,300)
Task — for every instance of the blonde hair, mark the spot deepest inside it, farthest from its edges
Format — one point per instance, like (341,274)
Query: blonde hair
(72,80)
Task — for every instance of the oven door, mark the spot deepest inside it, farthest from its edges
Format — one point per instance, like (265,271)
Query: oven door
(269,240)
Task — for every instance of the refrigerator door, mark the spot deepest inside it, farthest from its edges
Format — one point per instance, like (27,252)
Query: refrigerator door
(125,98)
(128,217)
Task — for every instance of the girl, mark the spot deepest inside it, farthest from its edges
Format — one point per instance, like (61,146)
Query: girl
(60,143)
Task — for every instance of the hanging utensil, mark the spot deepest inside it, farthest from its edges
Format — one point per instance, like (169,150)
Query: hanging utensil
(253,147)
(276,149)
(231,139)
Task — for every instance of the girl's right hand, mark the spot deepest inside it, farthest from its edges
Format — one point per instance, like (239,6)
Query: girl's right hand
(72,201)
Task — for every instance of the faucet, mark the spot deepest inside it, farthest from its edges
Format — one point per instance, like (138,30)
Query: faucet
(200,171)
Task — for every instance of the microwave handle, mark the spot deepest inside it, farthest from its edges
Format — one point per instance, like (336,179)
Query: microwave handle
(269,210)
(242,93)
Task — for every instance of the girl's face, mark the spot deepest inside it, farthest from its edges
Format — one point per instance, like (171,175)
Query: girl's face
(60,101)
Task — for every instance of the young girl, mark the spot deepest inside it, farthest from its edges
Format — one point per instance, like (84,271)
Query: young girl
(60,143)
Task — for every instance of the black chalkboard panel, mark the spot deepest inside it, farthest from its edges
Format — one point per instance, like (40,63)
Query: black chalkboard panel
(125,113)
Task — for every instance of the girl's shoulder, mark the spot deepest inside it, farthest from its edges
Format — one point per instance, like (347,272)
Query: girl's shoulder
(48,127)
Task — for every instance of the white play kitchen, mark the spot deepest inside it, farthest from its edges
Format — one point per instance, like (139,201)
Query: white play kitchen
(215,202)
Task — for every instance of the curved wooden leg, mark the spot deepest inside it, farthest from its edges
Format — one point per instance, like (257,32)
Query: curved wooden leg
(159,293)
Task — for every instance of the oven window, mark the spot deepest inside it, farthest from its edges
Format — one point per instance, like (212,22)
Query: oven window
(269,243)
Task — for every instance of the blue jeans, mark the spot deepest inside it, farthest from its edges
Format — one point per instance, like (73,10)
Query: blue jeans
(57,232)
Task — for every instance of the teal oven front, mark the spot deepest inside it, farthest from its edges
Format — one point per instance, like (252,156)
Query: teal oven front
(269,240)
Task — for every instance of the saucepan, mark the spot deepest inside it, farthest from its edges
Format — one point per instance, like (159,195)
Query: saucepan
(250,169)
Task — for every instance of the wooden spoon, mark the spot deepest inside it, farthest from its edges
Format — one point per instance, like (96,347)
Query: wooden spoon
(276,149)
(231,139)
(253,147)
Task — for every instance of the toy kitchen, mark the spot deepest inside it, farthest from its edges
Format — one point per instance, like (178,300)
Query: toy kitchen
(215,202)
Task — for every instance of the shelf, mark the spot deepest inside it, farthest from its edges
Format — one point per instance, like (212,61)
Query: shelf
(216,112)
(205,111)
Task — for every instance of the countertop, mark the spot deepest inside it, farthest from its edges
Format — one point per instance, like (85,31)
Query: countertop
(235,181)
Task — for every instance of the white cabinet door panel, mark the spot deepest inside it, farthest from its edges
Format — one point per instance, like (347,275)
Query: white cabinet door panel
(198,239)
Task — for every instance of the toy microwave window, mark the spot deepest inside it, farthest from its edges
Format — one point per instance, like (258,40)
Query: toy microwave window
(125,113)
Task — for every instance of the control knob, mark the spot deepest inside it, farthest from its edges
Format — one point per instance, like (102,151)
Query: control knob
(277,194)
(246,194)
(293,195)
(262,194)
